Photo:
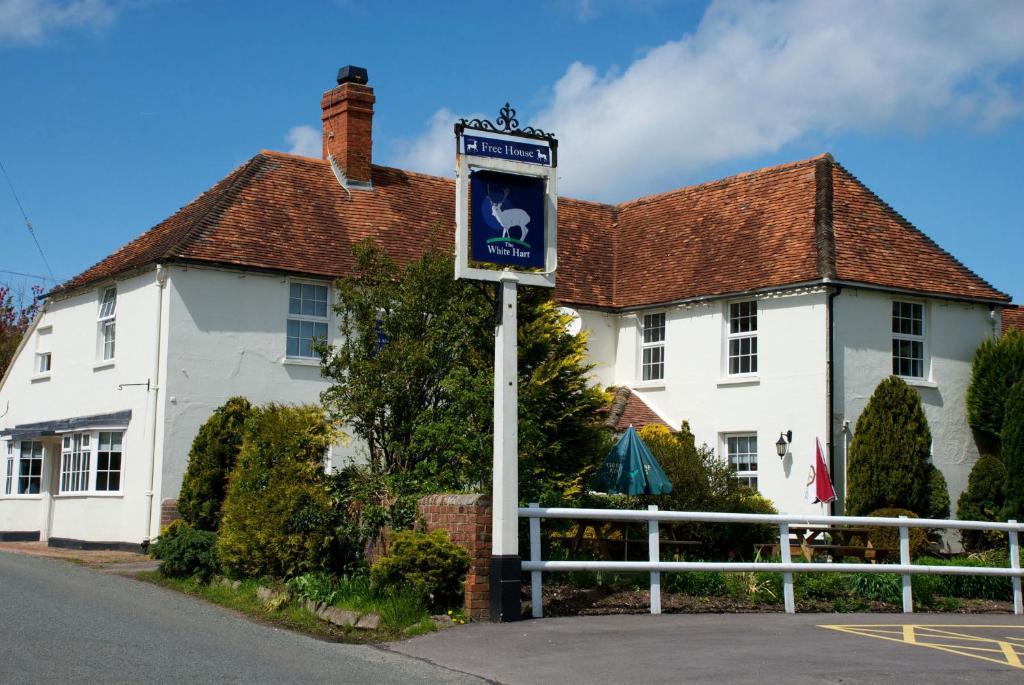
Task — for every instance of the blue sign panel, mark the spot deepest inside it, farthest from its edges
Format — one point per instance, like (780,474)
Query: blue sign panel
(507,219)
(507,149)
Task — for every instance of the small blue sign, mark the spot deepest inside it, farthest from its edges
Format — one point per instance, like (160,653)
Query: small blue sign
(506,149)
(507,219)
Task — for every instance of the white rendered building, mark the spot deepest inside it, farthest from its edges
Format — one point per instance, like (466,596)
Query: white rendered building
(764,303)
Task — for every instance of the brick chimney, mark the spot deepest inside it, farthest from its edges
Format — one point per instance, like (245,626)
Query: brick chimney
(347,120)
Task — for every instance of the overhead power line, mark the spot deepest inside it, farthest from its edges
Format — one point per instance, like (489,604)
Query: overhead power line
(35,276)
(28,223)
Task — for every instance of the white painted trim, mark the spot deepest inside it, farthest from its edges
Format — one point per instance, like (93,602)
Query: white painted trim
(300,361)
(107,364)
(738,379)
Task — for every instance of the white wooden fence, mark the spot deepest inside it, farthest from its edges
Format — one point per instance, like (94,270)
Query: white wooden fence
(536,566)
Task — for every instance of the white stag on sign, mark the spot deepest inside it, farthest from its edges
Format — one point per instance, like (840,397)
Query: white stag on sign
(471,146)
(508,218)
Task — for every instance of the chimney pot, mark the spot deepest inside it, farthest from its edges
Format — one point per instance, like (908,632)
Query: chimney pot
(352,74)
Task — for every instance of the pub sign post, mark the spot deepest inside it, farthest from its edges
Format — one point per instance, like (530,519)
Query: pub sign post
(506,209)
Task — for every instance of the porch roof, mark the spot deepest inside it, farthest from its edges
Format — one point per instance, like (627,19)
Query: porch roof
(42,429)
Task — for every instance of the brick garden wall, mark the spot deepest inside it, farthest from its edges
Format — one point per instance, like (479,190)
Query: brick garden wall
(168,512)
(467,519)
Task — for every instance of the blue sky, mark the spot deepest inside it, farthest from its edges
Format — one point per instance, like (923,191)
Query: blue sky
(117,113)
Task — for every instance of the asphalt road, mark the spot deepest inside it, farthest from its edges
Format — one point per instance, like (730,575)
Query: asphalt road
(64,623)
(761,649)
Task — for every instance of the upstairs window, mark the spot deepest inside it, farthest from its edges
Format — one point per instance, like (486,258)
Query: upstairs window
(307,318)
(24,469)
(742,451)
(742,338)
(44,355)
(107,324)
(908,339)
(652,345)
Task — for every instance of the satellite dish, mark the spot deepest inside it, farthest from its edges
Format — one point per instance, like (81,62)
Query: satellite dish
(574,327)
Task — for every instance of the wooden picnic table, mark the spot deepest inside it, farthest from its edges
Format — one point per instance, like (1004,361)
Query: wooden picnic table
(612,538)
(810,540)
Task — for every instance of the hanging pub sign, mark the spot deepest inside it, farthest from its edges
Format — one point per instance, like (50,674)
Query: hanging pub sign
(506,203)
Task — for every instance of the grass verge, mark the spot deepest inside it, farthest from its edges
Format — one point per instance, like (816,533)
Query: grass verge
(396,623)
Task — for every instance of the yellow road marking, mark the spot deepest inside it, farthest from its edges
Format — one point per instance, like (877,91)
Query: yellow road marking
(923,635)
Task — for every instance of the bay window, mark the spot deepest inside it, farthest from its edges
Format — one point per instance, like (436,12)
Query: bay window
(91,462)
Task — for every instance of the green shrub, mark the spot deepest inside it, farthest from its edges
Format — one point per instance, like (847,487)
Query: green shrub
(970,587)
(1012,437)
(997,365)
(278,517)
(696,583)
(702,482)
(888,463)
(877,587)
(983,500)
(428,564)
(184,551)
(938,495)
(888,538)
(925,589)
(822,586)
(213,455)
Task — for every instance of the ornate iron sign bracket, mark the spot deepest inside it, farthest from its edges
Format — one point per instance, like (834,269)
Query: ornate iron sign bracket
(507,124)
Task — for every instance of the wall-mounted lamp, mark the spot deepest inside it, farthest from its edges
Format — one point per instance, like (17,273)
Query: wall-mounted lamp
(782,446)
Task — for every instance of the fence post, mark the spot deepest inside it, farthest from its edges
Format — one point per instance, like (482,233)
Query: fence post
(908,594)
(1018,608)
(536,589)
(787,578)
(654,553)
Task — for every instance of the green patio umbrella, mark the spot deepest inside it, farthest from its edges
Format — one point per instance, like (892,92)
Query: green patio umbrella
(631,469)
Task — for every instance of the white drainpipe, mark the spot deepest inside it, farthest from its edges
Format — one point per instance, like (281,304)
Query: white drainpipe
(153,399)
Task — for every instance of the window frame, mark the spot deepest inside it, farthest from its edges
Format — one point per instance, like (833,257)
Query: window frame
(106,325)
(85,469)
(300,318)
(751,334)
(645,345)
(899,336)
(12,473)
(746,475)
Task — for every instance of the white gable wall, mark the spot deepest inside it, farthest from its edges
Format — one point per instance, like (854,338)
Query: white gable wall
(953,331)
(228,338)
(787,393)
(80,385)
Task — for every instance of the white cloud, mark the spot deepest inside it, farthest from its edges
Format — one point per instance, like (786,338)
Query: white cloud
(434,150)
(755,76)
(305,140)
(31,21)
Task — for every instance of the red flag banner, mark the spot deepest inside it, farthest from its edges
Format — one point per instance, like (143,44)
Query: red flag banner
(819,483)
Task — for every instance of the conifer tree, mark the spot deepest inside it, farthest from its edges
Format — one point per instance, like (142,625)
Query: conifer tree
(997,365)
(888,463)
(213,455)
(1013,451)
(983,500)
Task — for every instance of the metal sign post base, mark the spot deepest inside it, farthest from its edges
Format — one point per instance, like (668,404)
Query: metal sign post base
(505,585)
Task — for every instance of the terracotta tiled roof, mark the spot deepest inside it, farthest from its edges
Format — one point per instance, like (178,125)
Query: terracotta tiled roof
(1013,317)
(874,244)
(790,224)
(628,409)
